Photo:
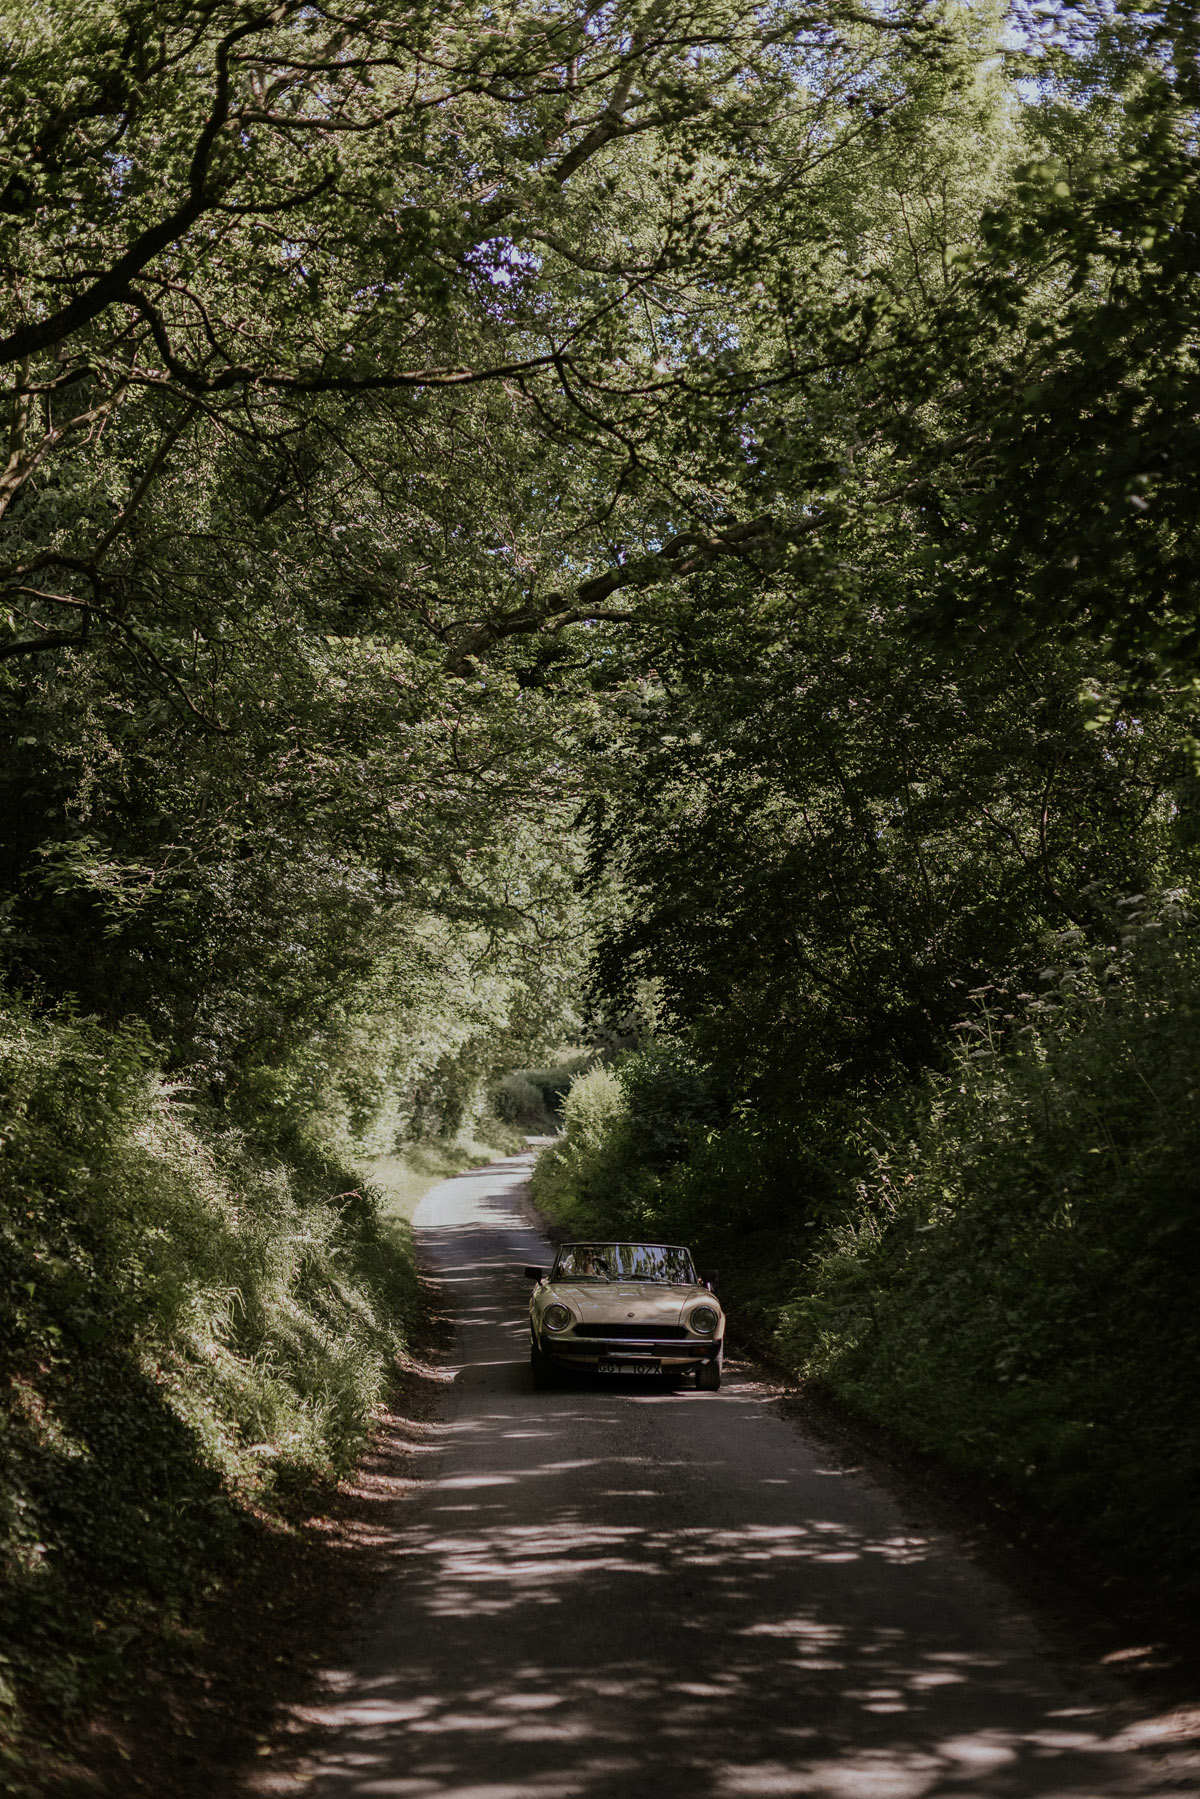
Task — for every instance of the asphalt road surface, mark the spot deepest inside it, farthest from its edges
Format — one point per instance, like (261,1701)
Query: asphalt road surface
(601,1593)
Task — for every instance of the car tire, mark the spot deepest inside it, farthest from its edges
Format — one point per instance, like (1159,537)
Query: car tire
(541,1369)
(708,1376)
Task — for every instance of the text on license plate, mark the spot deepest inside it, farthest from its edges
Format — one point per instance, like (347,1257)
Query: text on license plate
(643,1367)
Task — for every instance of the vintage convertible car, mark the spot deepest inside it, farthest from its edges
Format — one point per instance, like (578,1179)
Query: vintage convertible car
(624,1308)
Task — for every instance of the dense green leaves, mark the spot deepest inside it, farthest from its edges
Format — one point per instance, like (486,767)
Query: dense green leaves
(840,836)
(1014,1290)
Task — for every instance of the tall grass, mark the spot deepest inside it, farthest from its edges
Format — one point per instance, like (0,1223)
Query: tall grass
(195,1326)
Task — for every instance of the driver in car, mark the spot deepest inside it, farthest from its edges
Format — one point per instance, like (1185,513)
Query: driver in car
(587,1264)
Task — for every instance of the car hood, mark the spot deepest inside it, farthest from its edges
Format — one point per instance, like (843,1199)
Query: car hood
(647,1301)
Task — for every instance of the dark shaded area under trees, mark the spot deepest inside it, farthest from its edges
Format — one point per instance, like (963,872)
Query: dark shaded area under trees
(657,540)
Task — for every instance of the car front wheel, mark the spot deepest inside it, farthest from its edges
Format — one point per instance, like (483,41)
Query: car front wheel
(540,1367)
(708,1376)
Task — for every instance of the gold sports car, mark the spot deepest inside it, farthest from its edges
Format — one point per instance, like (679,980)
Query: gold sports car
(625,1308)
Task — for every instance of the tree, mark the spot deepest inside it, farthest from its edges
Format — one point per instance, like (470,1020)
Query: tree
(344,352)
(287,227)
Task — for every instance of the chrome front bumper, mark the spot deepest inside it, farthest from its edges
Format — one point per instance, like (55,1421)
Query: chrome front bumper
(571,1352)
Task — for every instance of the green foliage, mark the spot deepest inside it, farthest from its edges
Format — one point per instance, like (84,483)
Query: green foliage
(518,1101)
(299,310)
(1067,364)
(1016,1290)
(582,1179)
(195,1326)
(824,835)
(746,457)
(535,1097)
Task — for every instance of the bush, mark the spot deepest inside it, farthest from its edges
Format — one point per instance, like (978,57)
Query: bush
(534,1097)
(517,1101)
(195,1327)
(1016,1293)
(580,1179)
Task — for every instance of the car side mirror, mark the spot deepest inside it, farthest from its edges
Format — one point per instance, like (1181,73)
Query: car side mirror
(534,1274)
(709,1278)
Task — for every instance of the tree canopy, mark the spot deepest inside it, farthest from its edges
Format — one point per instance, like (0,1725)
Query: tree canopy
(430,426)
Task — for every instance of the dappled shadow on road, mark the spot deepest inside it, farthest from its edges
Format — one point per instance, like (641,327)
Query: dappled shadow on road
(603,1594)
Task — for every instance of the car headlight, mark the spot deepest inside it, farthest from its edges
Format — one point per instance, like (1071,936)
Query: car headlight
(704,1320)
(556,1318)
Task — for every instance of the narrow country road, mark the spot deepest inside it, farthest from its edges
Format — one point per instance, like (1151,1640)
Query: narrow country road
(603,1593)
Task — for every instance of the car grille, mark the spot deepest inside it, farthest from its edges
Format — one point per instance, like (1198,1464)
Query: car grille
(653,1333)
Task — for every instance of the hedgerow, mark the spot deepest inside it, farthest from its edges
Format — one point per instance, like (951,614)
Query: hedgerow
(196,1326)
(1015,1290)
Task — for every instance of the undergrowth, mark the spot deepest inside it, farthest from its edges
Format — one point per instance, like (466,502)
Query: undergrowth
(197,1329)
(1015,1291)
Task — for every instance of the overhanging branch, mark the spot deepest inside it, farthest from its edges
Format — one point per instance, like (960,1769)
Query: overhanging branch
(113,285)
(685,554)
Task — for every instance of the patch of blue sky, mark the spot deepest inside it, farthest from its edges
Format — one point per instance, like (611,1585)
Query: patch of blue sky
(502,261)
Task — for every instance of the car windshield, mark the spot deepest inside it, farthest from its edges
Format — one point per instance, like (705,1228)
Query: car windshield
(624,1262)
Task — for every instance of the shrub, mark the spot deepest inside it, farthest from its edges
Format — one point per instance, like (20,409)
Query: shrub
(582,1178)
(1016,1291)
(534,1097)
(517,1101)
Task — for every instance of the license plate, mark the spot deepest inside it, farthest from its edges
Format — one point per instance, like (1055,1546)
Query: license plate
(644,1367)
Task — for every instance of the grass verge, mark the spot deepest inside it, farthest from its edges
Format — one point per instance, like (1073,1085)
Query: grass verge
(403,1180)
(199,1329)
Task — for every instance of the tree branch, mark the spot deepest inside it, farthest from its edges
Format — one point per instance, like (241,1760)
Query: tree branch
(143,487)
(113,285)
(96,609)
(243,375)
(31,646)
(670,563)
